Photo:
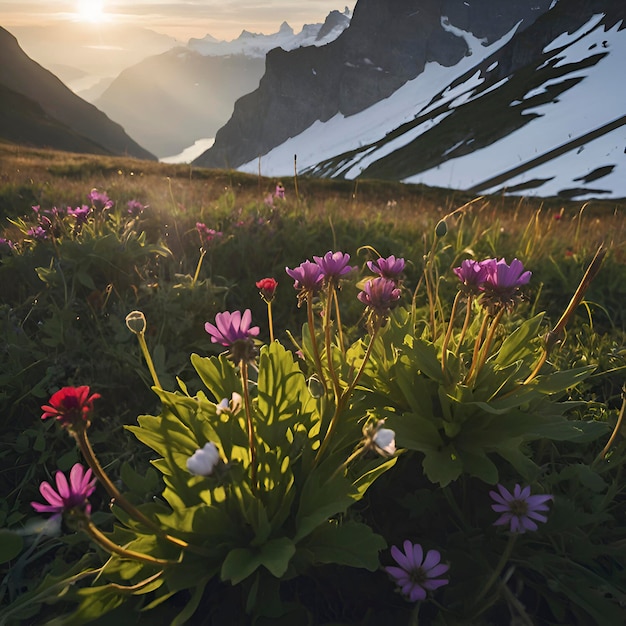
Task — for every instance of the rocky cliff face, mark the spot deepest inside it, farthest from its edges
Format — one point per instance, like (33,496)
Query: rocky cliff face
(387,44)
(59,107)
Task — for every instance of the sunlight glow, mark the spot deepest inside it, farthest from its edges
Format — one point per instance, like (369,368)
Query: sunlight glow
(90,10)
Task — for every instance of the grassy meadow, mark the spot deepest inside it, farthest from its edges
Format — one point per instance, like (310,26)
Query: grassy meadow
(65,292)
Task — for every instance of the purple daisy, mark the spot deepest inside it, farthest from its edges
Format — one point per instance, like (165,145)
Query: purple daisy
(307,277)
(502,283)
(417,574)
(68,495)
(472,274)
(334,265)
(231,327)
(519,509)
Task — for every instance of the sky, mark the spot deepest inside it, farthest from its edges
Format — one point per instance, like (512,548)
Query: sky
(223,19)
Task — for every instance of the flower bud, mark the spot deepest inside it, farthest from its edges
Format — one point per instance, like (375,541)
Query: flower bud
(136,322)
(441,229)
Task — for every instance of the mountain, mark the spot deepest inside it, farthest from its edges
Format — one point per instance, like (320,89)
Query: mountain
(170,100)
(38,109)
(480,95)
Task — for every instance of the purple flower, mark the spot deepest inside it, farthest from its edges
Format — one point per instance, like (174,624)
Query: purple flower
(380,295)
(280,191)
(502,283)
(231,327)
(207,235)
(519,508)
(417,574)
(38,233)
(6,246)
(67,496)
(334,265)
(387,268)
(135,208)
(307,277)
(80,214)
(99,200)
(472,274)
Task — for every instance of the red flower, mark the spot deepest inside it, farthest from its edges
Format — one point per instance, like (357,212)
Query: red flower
(267,287)
(70,405)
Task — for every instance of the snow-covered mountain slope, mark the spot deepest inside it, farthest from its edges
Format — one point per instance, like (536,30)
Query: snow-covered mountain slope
(257,45)
(553,125)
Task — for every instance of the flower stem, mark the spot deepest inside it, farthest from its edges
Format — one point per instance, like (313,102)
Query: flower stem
(270,321)
(506,555)
(197,272)
(468,314)
(316,352)
(89,527)
(88,454)
(618,425)
(477,345)
(446,341)
(486,347)
(243,368)
(328,342)
(148,358)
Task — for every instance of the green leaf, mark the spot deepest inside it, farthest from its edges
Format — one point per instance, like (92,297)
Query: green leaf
(442,466)
(519,344)
(415,432)
(11,545)
(242,562)
(351,543)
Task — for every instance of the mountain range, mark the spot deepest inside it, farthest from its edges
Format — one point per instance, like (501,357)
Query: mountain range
(37,109)
(520,97)
(170,100)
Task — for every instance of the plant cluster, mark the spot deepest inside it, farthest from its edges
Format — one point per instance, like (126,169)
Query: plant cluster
(303,459)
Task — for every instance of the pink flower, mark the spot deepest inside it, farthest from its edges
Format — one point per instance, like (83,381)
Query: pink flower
(472,274)
(334,265)
(380,295)
(416,574)
(502,283)
(267,288)
(232,327)
(67,496)
(519,509)
(307,277)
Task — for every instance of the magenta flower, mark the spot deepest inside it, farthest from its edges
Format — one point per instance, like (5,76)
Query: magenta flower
(280,191)
(68,496)
(231,327)
(37,233)
(380,295)
(416,574)
(99,200)
(502,283)
(6,246)
(387,268)
(472,275)
(207,235)
(334,265)
(519,509)
(307,277)
(80,214)
(135,208)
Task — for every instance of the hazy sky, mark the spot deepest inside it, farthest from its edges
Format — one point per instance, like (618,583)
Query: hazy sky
(224,19)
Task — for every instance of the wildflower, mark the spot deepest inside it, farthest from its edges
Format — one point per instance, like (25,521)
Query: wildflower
(233,331)
(80,214)
(6,246)
(38,233)
(71,406)
(307,278)
(204,460)
(99,200)
(417,575)
(68,495)
(267,287)
(207,235)
(381,440)
(387,268)
(380,295)
(472,275)
(334,265)
(232,407)
(519,509)
(135,208)
(280,191)
(502,283)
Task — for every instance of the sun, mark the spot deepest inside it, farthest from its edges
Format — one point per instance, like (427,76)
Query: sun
(90,11)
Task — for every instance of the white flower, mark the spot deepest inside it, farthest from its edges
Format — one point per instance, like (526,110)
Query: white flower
(233,407)
(384,440)
(203,461)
